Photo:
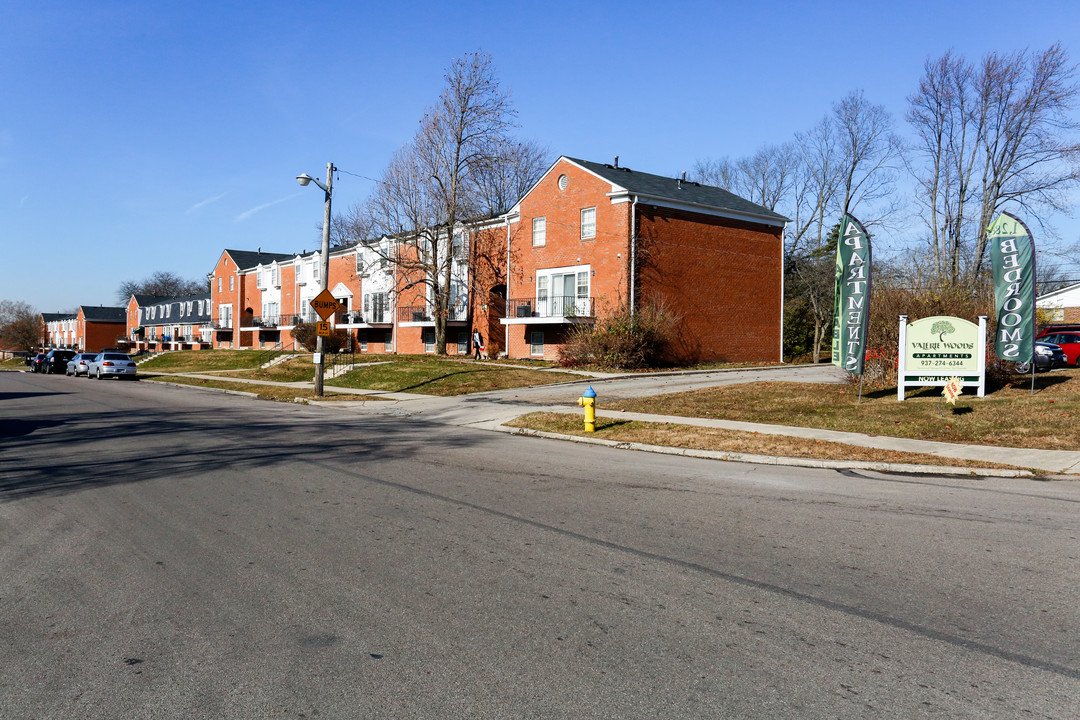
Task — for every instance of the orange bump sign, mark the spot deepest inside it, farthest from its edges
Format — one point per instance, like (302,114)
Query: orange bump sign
(323,329)
(324,304)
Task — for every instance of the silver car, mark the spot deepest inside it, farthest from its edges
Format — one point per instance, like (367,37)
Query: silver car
(78,365)
(111,364)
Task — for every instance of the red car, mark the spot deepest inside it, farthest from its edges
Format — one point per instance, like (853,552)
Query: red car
(1068,340)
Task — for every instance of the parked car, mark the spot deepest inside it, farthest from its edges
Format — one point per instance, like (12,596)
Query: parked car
(110,364)
(1069,342)
(56,360)
(35,363)
(1047,357)
(80,364)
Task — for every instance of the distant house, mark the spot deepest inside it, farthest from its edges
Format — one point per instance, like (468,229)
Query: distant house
(98,327)
(59,331)
(1061,306)
(157,323)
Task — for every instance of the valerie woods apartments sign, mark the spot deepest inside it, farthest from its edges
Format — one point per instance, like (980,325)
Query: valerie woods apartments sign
(935,349)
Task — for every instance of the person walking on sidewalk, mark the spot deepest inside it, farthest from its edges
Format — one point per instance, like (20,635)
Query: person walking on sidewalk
(477,343)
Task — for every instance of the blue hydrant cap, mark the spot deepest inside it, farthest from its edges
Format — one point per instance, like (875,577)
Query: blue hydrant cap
(590,392)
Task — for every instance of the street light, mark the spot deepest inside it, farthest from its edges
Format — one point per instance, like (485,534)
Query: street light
(324,262)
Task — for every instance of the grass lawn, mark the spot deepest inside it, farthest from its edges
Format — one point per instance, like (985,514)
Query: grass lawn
(298,368)
(265,392)
(443,376)
(698,438)
(204,361)
(1011,416)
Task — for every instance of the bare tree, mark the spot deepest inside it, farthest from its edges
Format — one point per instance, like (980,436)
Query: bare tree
(869,155)
(991,134)
(764,177)
(462,165)
(163,283)
(20,327)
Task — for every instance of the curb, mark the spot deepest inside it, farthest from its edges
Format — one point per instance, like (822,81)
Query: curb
(220,391)
(899,468)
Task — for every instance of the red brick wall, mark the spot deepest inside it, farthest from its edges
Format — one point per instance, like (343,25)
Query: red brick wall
(607,254)
(721,277)
(222,271)
(487,249)
(132,316)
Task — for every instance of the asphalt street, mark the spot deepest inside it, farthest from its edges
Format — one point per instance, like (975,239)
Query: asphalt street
(167,552)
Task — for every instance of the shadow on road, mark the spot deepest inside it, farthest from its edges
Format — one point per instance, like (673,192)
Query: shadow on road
(46,456)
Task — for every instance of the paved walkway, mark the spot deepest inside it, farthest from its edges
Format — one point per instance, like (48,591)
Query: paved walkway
(492,410)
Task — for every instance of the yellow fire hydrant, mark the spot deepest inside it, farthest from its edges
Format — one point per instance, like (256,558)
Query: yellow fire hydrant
(588,401)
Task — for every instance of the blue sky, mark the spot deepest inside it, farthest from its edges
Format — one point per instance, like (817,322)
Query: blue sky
(144,136)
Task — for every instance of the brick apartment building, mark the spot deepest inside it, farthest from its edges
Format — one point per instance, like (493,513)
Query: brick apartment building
(158,323)
(89,329)
(592,239)
(586,241)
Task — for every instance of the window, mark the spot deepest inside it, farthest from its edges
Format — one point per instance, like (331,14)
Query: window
(225,316)
(588,223)
(232,283)
(388,341)
(374,309)
(536,343)
(463,342)
(539,237)
(459,301)
(219,284)
(457,247)
(363,341)
(275,276)
(563,292)
(428,337)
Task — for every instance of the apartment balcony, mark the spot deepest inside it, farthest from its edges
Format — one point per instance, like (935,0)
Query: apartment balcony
(256,322)
(222,324)
(557,309)
(423,315)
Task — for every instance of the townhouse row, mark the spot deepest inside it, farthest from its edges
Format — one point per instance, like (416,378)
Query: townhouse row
(586,241)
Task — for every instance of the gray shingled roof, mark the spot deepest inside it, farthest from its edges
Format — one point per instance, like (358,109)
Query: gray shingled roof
(675,190)
(96,313)
(50,317)
(246,259)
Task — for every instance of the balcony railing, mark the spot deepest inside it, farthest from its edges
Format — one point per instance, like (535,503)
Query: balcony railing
(265,321)
(425,313)
(557,306)
(223,324)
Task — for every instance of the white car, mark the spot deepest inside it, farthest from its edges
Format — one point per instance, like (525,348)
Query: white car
(111,364)
(78,365)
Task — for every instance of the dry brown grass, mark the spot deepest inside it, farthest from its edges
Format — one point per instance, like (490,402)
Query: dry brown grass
(1011,416)
(699,438)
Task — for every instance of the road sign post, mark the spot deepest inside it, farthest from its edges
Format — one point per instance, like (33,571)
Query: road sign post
(325,305)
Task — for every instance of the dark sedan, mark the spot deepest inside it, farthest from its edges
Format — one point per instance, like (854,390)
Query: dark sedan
(1047,357)
(56,361)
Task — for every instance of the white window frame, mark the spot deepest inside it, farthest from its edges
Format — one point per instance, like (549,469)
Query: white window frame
(539,231)
(588,226)
(232,283)
(551,301)
(533,343)
(225,315)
